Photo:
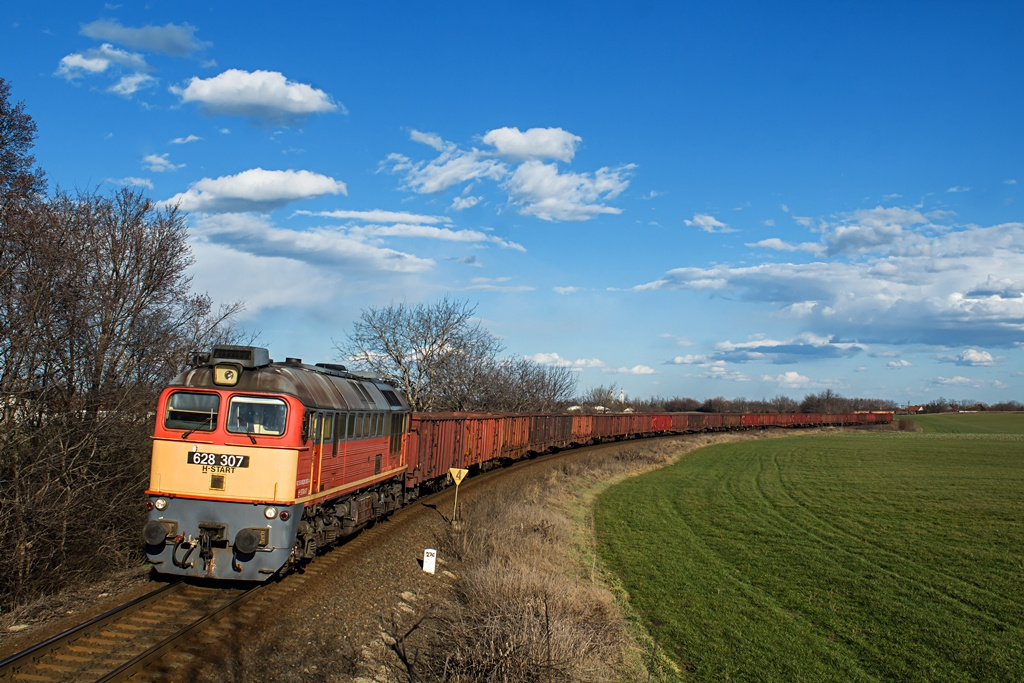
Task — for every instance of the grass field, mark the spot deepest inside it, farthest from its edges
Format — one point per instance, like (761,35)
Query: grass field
(855,556)
(971,423)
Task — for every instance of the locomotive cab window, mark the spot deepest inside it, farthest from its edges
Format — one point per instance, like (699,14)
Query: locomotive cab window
(256,415)
(193,411)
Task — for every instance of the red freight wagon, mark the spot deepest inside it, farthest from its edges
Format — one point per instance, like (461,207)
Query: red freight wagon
(582,429)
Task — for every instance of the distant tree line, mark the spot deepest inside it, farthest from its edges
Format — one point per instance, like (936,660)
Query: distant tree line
(96,315)
(827,401)
(946,405)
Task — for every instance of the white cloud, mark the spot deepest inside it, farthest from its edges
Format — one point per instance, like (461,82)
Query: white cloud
(131,83)
(137,182)
(73,65)
(540,190)
(320,247)
(708,223)
(800,348)
(255,190)
(534,187)
(462,203)
(720,371)
(958,380)
(958,188)
(777,244)
(498,284)
(263,281)
(379,216)
(260,95)
(898,364)
(185,140)
(99,60)
(535,143)
(555,360)
(159,163)
(939,285)
(975,358)
(689,359)
(635,370)
(170,39)
(870,230)
(565,290)
(431,139)
(430,232)
(452,167)
(788,380)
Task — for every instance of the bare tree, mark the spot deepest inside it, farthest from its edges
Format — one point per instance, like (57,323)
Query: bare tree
(519,385)
(782,404)
(600,398)
(96,315)
(18,178)
(465,378)
(445,361)
(825,402)
(411,345)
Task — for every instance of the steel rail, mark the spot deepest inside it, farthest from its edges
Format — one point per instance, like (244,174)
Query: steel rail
(137,664)
(25,662)
(11,666)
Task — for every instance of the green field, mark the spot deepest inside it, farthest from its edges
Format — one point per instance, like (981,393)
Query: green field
(855,556)
(971,423)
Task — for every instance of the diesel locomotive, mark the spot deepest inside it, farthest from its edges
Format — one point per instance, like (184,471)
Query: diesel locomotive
(258,464)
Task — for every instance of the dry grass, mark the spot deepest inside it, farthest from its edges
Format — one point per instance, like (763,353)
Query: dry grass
(907,425)
(531,602)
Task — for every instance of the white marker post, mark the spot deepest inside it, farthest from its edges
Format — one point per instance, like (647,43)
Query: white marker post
(429,560)
(457,476)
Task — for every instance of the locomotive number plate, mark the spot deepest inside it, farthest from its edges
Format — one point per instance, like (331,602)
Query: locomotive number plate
(217,459)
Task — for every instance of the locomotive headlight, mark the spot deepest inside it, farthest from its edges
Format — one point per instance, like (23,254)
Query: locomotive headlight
(160,504)
(270,512)
(226,375)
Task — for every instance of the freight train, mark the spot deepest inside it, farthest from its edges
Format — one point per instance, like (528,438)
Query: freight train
(257,464)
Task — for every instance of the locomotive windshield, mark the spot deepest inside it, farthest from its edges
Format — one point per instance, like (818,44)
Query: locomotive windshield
(192,411)
(256,415)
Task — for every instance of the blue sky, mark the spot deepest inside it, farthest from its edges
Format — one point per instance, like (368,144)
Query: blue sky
(678,199)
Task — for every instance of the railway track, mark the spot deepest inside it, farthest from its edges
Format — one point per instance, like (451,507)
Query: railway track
(124,641)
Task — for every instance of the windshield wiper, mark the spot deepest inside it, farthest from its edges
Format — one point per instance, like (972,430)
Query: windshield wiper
(208,420)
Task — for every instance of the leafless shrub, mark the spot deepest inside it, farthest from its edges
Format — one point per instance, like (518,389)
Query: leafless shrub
(526,625)
(907,425)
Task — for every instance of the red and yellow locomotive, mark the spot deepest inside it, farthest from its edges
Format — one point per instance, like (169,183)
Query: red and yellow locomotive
(257,463)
